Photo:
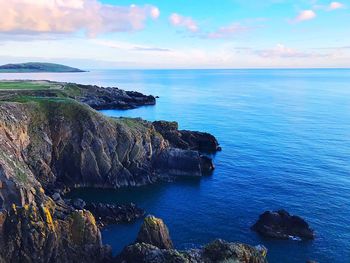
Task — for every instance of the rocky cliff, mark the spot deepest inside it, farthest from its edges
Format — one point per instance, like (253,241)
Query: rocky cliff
(51,144)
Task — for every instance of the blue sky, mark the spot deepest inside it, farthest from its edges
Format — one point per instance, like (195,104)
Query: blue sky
(177,34)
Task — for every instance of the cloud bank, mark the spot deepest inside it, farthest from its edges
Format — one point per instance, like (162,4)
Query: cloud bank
(69,16)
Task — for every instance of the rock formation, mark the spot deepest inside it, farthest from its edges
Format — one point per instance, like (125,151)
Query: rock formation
(281,225)
(215,252)
(155,232)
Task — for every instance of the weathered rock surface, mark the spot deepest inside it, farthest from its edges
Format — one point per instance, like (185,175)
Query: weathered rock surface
(281,225)
(215,252)
(155,232)
(33,233)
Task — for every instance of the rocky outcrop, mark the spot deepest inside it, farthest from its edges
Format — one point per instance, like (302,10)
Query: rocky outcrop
(198,141)
(155,232)
(112,98)
(281,225)
(215,252)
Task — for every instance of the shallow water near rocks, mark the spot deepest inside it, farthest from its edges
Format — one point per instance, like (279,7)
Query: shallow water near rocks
(286,144)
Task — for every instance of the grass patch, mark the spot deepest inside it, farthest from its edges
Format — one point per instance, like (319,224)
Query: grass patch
(27,85)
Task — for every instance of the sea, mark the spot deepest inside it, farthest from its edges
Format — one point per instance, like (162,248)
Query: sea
(285,135)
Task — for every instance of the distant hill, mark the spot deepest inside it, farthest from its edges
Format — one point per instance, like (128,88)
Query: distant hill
(33,67)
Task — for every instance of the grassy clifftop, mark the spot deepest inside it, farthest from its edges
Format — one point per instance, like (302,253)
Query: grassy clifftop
(33,67)
(94,96)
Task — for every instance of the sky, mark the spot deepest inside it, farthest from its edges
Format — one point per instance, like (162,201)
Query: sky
(177,34)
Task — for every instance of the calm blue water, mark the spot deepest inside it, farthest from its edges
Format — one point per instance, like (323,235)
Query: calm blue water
(286,144)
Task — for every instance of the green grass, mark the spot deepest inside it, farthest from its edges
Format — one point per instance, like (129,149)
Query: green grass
(27,85)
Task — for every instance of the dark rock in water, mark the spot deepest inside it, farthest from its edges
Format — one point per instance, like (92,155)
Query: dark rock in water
(155,232)
(311,261)
(148,250)
(281,225)
(107,214)
(199,141)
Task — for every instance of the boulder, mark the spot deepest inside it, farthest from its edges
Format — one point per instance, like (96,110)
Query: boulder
(281,225)
(222,251)
(154,232)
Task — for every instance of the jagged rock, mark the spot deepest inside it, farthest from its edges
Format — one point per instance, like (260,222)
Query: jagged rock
(281,225)
(33,234)
(106,214)
(154,232)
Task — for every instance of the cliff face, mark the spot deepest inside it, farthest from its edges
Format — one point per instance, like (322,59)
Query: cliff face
(49,145)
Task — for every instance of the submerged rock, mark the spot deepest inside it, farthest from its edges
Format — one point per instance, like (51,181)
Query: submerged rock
(281,225)
(155,232)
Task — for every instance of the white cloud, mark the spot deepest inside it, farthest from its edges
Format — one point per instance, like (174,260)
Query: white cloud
(182,21)
(69,16)
(305,15)
(335,5)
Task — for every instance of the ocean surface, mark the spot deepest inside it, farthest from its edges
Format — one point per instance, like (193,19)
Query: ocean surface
(285,136)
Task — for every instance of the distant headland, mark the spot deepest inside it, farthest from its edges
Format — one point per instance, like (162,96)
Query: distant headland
(33,67)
